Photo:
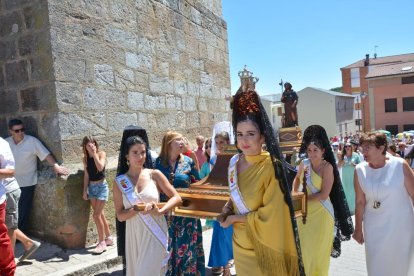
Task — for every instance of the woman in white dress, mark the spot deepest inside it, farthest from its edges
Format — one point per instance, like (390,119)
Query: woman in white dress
(384,214)
(146,233)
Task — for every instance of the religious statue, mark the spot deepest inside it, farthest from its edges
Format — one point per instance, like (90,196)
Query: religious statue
(290,100)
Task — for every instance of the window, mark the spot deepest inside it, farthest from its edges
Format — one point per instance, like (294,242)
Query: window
(390,105)
(358,122)
(407,80)
(392,128)
(408,104)
(408,127)
(355,80)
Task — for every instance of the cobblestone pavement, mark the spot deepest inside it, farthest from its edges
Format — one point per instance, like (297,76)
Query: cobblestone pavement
(52,260)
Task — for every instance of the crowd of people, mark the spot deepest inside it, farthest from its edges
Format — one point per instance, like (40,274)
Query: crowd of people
(361,175)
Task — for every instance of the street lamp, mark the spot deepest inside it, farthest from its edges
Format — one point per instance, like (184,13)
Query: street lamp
(362,96)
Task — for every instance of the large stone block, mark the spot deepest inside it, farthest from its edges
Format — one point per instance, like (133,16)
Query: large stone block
(63,214)
(121,37)
(95,99)
(31,44)
(135,100)
(38,98)
(78,125)
(68,96)
(124,79)
(154,102)
(10,24)
(7,50)
(104,74)
(119,120)
(9,103)
(16,73)
(70,69)
(160,85)
(36,16)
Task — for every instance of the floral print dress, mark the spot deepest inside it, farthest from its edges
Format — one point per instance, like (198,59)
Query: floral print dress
(185,234)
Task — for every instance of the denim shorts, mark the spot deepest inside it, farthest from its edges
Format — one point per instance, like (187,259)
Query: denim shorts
(12,209)
(98,191)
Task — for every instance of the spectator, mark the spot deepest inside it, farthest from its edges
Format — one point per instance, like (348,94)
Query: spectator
(26,149)
(401,149)
(199,152)
(7,264)
(95,189)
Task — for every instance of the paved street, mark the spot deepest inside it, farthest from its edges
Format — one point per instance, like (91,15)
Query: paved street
(52,260)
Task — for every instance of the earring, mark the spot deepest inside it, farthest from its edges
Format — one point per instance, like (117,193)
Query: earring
(127,162)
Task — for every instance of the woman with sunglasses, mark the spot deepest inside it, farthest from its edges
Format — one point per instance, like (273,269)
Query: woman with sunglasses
(350,160)
(185,234)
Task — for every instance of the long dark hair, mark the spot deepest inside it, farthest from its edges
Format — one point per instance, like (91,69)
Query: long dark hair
(247,106)
(132,135)
(343,222)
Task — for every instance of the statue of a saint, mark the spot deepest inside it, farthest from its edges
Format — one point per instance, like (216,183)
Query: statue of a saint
(290,100)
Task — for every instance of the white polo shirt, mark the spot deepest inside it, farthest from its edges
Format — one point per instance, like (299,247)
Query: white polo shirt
(6,162)
(25,156)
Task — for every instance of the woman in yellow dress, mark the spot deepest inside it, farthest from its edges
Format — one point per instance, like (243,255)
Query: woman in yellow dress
(317,235)
(265,234)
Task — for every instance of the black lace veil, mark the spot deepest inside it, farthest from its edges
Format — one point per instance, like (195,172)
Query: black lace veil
(123,168)
(257,113)
(343,221)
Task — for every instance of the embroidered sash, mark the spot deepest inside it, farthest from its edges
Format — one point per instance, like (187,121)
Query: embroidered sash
(235,193)
(125,185)
(325,203)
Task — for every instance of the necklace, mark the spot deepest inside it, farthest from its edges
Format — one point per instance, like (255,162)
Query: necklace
(377,202)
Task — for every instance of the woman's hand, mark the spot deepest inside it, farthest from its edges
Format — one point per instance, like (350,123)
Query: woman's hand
(85,195)
(228,222)
(358,236)
(152,209)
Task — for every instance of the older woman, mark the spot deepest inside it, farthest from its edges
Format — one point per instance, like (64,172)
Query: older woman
(384,209)
(186,241)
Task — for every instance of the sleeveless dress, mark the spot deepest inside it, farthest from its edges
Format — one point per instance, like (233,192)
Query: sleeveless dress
(316,236)
(144,253)
(347,178)
(389,229)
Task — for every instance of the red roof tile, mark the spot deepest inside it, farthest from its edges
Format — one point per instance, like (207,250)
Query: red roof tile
(391,69)
(383,60)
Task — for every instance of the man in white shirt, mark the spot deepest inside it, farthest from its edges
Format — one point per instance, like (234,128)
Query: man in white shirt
(7,264)
(26,149)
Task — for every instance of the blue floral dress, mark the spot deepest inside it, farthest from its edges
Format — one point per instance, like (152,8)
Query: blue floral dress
(185,234)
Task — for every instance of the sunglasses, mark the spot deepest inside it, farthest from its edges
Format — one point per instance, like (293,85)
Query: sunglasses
(207,146)
(347,146)
(18,130)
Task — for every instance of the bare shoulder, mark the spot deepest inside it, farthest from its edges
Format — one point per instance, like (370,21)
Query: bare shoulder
(327,167)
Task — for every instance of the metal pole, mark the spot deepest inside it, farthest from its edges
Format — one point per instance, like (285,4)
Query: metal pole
(359,114)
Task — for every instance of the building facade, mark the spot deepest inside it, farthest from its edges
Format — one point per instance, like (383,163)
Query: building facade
(332,110)
(355,82)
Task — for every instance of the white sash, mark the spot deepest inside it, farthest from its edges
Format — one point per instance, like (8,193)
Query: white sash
(235,193)
(125,185)
(326,203)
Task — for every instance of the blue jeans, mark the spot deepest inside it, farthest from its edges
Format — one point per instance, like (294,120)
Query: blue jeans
(98,191)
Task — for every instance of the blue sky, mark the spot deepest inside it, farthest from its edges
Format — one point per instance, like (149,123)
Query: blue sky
(307,42)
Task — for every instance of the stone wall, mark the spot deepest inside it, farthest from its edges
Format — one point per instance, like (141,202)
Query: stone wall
(27,88)
(159,64)
(73,68)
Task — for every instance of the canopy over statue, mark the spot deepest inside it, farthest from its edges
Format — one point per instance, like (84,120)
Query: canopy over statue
(290,100)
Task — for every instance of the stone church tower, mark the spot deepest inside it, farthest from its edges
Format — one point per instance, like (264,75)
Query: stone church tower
(70,68)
